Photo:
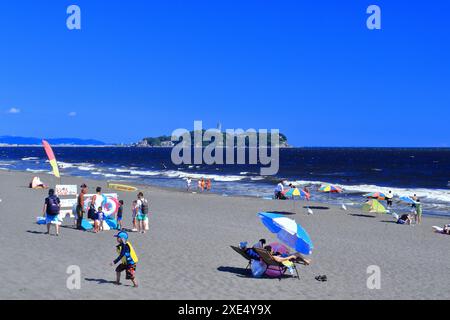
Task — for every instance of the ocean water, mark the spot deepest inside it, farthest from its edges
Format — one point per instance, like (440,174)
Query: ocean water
(425,172)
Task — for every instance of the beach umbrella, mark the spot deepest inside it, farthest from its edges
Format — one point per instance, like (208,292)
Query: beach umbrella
(330,188)
(376,195)
(373,206)
(279,247)
(288,231)
(296,194)
(407,200)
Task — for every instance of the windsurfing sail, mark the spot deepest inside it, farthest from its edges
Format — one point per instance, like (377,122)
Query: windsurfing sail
(51,158)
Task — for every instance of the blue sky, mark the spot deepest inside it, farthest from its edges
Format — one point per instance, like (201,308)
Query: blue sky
(311,69)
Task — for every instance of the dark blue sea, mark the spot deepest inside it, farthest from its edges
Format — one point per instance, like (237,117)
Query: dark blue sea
(425,172)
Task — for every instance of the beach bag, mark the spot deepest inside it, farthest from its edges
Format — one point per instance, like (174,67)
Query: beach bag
(258,268)
(53,206)
(91,213)
(144,206)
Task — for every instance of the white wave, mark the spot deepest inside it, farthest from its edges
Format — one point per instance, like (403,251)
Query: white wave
(144,173)
(197,176)
(122,170)
(35,170)
(86,168)
(432,194)
(110,175)
(65,165)
(30,158)
(257,178)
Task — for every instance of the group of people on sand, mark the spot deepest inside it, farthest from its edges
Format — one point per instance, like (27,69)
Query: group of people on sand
(202,184)
(127,259)
(416,213)
(52,208)
(286,259)
(279,191)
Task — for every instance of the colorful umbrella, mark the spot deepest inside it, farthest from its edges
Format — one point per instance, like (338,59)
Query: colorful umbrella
(288,231)
(295,192)
(330,188)
(51,158)
(376,195)
(279,247)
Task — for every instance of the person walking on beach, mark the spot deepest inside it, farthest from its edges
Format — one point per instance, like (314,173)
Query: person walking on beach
(98,221)
(119,216)
(414,197)
(208,185)
(134,209)
(389,199)
(127,257)
(98,200)
(80,205)
(201,185)
(188,184)
(279,191)
(142,216)
(52,207)
(418,215)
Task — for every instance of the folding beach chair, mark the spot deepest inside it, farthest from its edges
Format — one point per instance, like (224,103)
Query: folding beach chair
(270,261)
(244,255)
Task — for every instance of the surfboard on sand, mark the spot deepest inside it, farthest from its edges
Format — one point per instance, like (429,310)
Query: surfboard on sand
(122,187)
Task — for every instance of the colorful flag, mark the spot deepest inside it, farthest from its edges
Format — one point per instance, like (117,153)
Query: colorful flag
(51,157)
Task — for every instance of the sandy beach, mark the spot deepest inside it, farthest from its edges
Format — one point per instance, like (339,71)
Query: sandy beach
(186,254)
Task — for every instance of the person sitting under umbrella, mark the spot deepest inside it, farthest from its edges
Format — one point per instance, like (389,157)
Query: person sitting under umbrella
(286,259)
(250,251)
(282,258)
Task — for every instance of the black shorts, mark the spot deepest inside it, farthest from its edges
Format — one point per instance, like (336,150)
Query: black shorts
(130,270)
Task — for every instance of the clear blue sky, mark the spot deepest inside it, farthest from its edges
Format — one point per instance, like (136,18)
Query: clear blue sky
(309,68)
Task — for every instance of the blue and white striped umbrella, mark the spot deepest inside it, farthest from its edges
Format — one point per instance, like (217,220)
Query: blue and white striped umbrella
(407,200)
(288,231)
